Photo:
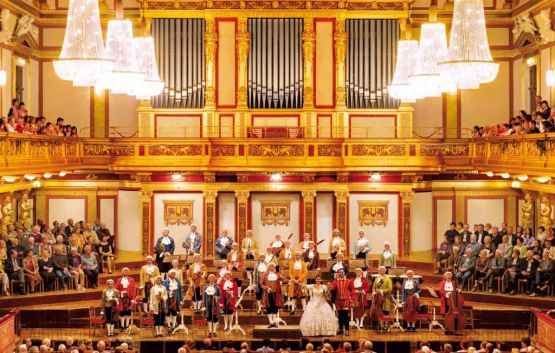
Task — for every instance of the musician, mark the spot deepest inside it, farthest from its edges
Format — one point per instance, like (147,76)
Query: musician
(149,271)
(410,297)
(196,274)
(528,268)
(223,244)
(383,286)
(235,258)
(312,257)
(337,245)
(175,298)
(228,299)
(272,298)
(211,300)
(127,293)
(362,249)
(443,253)
(496,268)
(249,246)
(341,289)
(165,246)
(157,303)
(259,271)
(466,266)
(304,245)
(481,269)
(359,290)
(297,279)
(109,306)
(446,288)
(544,274)
(178,271)
(513,267)
(270,257)
(387,257)
(338,265)
(193,241)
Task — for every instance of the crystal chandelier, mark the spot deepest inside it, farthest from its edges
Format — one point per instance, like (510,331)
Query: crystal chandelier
(469,62)
(152,84)
(400,87)
(125,75)
(82,57)
(431,51)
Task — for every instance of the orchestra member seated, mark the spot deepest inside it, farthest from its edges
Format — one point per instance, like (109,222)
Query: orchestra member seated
(303,245)
(337,245)
(466,267)
(249,246)
(443,253)
(544,275)
(481,269)
(311,257)
(496,268)
(286,253)
(339,264)
(235,258)
(387,257)
(277,244)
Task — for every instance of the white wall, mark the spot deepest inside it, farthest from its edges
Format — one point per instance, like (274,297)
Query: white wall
(428,114)
(444,216)
(376,234)
(226,213)
(129,237)
(178,232)
(62,209)
(421,221)
(7,90)
(545,63)
(123,113)
(33,105)
(107,213)
(485,211)
(265,234)
(324,219)
(518,102)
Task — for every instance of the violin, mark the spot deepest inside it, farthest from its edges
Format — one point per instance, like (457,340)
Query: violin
(455,318)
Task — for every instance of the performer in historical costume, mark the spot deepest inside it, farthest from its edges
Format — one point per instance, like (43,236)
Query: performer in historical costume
(249,246)
(277,244)
(211,300)
(304,244)
(165,246)
(311,257)
(286,253)
(229,296)
(387,257)
(175,298)
(223,267)
(127,293)
(318,319)
(410,298)
(446,288)
(259,271)
(297,279)
(359,301)
(272,298)
(148,273)
(384,286)
(178,271)
(193,241)
(337,244)
(235,258)
(341,289)
(196,274)
(362,248)
(157,303)
(338,265)
(110,297)
(223,244)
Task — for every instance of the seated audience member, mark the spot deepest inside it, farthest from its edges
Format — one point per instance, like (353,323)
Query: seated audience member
(4,280)
(545,274)
(14,270)
(90,266)
(443,253)
(106,252)
(31,267)
(467,263)
(481,269)
(488,246)
(453,260)
(506,248)
(475,246)
(496,268)
(61,268)
(76,269)
(520,247)
(46,270)
(465,234)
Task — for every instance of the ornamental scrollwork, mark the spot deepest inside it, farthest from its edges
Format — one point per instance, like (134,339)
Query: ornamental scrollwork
(175,150)
(276,150)
(454,150)
(105,150)
(223,150)
(378,150)
(329,150)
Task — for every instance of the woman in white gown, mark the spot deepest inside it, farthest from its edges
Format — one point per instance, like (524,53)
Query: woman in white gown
(318,318)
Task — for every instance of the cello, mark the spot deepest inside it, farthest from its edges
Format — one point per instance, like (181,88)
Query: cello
(377,303)
(455,318)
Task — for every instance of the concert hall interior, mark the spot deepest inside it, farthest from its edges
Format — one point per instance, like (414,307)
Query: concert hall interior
(319,176)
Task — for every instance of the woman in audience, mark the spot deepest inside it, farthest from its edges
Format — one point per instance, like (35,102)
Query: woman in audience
(105,250)
(76,270)
(489,246)
(60,244)
(3,251)
(31,268)
(74,246)
(550,236)
(46,270)
(520,247)
(519,231)
(541,234)
(528,237)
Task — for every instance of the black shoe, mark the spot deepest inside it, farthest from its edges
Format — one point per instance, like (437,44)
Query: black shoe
(340,332)
(512,292)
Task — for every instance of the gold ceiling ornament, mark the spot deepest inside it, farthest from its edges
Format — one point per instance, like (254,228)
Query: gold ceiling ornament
(373,213)
(275,213)
(178,212)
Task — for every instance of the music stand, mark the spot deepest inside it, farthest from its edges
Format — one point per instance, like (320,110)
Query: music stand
(235,326)
(250,264)
(434,320)
(181,326)
(397,322)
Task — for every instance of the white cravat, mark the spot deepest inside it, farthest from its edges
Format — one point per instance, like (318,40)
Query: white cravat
(357,283)
(361,242)
(192,237)
(210,290)
(125,282)
(228,285)
(448,286)
(277,244)
(166,240)
(337,266)
(272,276)
(234,257)
(261,267)
(173,284)
(335,242)
(196,268)
(249,244)
(224,241)
(305,244)
(409,284)
(311,254)
(149,269)
(297,265)
(287,253)
(386,254)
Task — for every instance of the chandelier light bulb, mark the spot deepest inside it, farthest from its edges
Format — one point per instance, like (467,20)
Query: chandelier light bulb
(8,178)
(490,174)
(47,175)
(30,177)
(62,173)
(543,179)
(505,175)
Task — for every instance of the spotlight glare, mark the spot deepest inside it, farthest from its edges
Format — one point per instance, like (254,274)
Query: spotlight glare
(276,177)
(177,177)
(522,177)
(505,175)
(490,174)
(8,178)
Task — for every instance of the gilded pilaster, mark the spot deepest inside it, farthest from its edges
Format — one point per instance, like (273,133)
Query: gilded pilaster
(24,208)
(243,43)
(146,200)
(341,216)
(242,198)
(210,232)
(309,39)
(308,210)
(406,231)
(210,43)
(6,210)
(340,41)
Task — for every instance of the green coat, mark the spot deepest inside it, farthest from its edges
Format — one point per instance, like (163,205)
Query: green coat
(387,288)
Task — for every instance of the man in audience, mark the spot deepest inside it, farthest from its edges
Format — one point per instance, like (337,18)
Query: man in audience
(544,274)
(14,270)
(61,267)
(467,263)
(451,232)
(90,266)
(496,269)
(480,234)
(528,271)
(496,236)
(465,234)
(474,245)
(481,269)
(69,228)
(506,247)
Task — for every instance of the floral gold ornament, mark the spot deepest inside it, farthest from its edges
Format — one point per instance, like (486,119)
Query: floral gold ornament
(275,212)
(178,212)
(373,213)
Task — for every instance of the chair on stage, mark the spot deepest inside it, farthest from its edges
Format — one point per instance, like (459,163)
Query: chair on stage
(469,311)
(146,321)
(198,320)
(95,319)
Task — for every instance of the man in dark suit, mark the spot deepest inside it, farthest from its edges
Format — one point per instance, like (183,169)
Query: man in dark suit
(480,233)
(528,268)
(340,263)
(451,233)
(14,270)
(545,274)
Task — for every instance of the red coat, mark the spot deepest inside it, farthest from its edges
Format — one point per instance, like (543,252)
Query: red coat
(443,294)
(234,293)
(130,292)
(276,287)
(341,290)
(365,287)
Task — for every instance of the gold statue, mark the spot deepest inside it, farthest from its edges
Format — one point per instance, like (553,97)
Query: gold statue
(545,212)
(6,212)
(25,209)
(527,211)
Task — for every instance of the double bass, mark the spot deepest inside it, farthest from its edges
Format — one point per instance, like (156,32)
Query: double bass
(455,318)
(377,302)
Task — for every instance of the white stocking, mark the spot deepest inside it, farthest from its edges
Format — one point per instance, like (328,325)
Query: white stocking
(210,327)
(128,321)
(167,321)
(122,321)
(271,318)
(303,302)
(145,307)
(174,321)
(259,302)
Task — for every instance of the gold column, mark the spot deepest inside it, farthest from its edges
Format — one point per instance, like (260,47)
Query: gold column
(308,211)
(100,117)
(243,42)
(309,39)
(452,121)
(406,198)
(7,210)
(146,200)
(210,232)
(340,40)
(210,42)
(341,216)
(242,213)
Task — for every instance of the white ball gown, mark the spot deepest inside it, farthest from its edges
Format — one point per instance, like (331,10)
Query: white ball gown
(318,318)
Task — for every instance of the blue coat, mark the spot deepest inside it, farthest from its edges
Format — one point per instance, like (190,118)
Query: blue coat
(406,293)
(167,248)
(178,294)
